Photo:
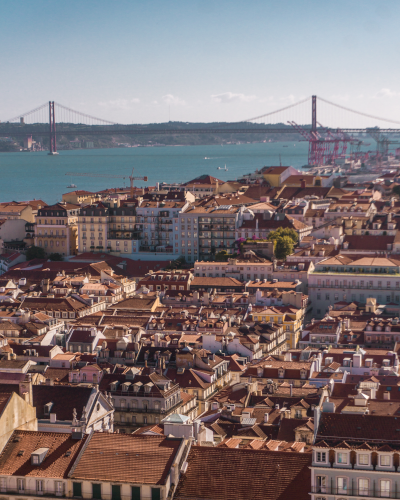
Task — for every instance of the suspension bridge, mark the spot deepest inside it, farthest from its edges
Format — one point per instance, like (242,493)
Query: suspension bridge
(336,127)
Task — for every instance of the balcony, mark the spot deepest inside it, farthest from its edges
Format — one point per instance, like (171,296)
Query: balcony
(51,236)
(356,492)
(36,493)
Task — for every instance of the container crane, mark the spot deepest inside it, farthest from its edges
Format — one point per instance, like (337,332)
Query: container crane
(130,177)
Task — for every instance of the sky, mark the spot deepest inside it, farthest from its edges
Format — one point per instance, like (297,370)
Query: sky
(146,61)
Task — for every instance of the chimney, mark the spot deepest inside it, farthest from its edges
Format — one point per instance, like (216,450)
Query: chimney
(53,418)
(291,390)
(25,389)
(386,395)
(302,183)
(266,418)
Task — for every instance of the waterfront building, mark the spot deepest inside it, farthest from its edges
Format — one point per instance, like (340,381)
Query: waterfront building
(56,229)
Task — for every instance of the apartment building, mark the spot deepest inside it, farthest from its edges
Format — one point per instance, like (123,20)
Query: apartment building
(261,225)
(348,278)
(355,456)
(203,186)
(205,230)
(107,227)
(56,229)
(140,400)
(247,267)
(157,220)
(291,319)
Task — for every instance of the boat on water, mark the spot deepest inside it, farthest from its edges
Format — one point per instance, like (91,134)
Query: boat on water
(226,170)
(219,168)
(72,186)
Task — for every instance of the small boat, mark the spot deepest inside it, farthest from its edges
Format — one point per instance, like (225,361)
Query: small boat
(72,186)
(219,168)
(226,170)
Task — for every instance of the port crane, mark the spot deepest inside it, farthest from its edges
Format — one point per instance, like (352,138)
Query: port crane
(130,177)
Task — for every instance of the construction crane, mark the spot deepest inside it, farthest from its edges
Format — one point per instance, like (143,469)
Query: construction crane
(130,177)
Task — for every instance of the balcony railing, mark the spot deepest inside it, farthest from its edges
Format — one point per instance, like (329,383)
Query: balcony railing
(36,493)
(356,492)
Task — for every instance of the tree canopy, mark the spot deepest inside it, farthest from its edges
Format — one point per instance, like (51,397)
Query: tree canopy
(284,241)
(35,253)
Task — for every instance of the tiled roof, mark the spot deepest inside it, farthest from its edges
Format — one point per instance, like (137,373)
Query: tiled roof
(64,399)
(369,428)
(242,474)
(132,458)
(57,462)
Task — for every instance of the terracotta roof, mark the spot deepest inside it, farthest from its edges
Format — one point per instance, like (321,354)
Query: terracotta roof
(62,453)
(223,474)
(130,458)
(64,399)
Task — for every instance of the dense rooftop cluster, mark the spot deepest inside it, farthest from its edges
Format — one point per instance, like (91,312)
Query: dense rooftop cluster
(173,353)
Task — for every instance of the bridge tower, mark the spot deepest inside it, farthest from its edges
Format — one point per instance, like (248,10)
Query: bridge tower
(314,113)
(52,130)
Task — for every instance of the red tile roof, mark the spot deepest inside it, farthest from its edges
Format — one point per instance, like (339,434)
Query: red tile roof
(57,462)
(133,458)
(243,474)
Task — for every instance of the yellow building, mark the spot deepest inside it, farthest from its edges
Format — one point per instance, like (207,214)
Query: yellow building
(80,196)
(276,176)
(291,318)
(56,228)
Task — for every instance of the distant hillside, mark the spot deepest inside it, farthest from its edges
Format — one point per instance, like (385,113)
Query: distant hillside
(79,136)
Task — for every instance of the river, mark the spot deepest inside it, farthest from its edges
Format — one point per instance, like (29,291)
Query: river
(37,175)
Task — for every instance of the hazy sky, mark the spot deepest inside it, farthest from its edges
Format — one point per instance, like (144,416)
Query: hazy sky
(198,60)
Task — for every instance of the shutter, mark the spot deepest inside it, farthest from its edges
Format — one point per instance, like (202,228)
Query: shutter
(96,491)
(77,489)
(155,494)
(135,492)
(116,492)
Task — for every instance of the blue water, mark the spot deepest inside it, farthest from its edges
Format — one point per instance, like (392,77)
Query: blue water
(37,175)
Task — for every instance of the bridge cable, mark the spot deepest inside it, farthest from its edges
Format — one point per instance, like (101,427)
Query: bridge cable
(358,112)
(22,115)
(276,111)
(85,115)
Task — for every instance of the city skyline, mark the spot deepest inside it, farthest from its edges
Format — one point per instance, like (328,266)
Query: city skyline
(199,61)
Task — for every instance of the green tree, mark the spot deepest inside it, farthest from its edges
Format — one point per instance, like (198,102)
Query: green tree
(35,253)
(283,247)
(56,257)
(284,240)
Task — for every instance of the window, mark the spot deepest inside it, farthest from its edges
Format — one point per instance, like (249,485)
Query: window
(363,459)
(385,488)
(320,484)
(135,492)
(59,487)
(21,484)
(342,458)
(320,456)
(115,492)
(342,485)
(384,460)
(155,494)
(77,489)
(96,491)
(363,486)
(39,486)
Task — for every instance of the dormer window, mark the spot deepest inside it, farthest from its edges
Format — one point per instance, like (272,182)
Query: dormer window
(281,372)
(320,456)
(363,459)
(385,460)
(342,458)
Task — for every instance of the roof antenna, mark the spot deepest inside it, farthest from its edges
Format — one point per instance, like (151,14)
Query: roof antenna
(280,161)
